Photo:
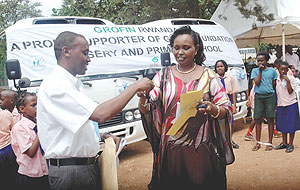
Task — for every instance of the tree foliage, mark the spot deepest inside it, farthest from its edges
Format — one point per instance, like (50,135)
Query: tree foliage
(257,10)
(3,80)
(10,12)
(14,10)
(142,11)
(137,11)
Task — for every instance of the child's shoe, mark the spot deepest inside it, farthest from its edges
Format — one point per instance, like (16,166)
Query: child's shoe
(276,134)
(249,137)
(289,148)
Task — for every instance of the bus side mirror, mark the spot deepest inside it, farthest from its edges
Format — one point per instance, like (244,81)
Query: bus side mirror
(13,69)
(24,82)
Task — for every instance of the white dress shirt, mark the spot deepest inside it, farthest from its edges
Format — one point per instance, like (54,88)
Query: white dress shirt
(293,60)
(63,113)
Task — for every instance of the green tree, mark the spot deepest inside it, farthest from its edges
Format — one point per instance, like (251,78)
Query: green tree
(136,11)
(13,10)
(257,10)
(3,79)
(142,11)
(10,12)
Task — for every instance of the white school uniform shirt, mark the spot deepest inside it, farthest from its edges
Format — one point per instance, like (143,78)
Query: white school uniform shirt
(284,98)
(231,85)
(63,113)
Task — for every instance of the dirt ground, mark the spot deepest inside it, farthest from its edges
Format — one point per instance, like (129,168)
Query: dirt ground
(261,170)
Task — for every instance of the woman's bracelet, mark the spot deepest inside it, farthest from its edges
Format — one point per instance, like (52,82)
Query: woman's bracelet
(217,113)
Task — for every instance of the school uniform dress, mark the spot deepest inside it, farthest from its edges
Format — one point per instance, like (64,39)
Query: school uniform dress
(288,118)
(8,164)
(32,172)
(66,133)
(278,74)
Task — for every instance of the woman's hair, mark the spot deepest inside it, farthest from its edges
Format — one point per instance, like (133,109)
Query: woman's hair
(224,63)
(199,57)
(267,56)
(21,99)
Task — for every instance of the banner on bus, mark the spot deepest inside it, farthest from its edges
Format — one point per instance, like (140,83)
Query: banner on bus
(112,49)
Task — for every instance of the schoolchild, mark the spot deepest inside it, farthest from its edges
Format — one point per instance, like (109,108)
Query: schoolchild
(33,171)
(288,118)
(8,102)
(9,116)
(231,87)
(8,164)
(295,74)
(264,99)
(250,103)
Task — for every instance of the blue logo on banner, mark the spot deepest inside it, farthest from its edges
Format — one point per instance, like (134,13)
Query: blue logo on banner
(38,63)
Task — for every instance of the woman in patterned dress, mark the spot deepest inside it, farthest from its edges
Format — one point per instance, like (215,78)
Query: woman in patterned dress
(196,154)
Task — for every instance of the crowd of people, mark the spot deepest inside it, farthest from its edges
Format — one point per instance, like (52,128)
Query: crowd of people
(275,87)
(49,142)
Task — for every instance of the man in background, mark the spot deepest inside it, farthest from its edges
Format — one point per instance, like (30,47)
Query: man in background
(292,58)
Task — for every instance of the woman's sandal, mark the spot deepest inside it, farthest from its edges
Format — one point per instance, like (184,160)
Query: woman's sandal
(268,148)
(256,147)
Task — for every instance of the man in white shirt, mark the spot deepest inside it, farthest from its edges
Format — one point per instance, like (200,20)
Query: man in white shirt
(65,115)
(272,55)
(292,58)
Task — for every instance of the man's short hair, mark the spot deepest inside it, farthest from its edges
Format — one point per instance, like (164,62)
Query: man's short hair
(65,38)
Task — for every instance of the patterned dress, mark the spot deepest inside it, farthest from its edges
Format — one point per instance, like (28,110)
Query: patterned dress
(186,159)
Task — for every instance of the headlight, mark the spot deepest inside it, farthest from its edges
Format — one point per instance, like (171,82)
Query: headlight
(128,116)
(238,97)
(137,114)
(244,96)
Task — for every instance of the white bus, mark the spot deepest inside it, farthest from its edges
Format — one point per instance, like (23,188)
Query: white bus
(120,55)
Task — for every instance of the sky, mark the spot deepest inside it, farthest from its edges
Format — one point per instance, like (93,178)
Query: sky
(47,6)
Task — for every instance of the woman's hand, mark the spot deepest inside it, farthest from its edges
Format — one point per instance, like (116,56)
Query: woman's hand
(141,94)
(207,107)
(204,107)
(143,105)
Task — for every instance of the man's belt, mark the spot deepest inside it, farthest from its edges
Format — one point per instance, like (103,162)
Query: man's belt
(73,161)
